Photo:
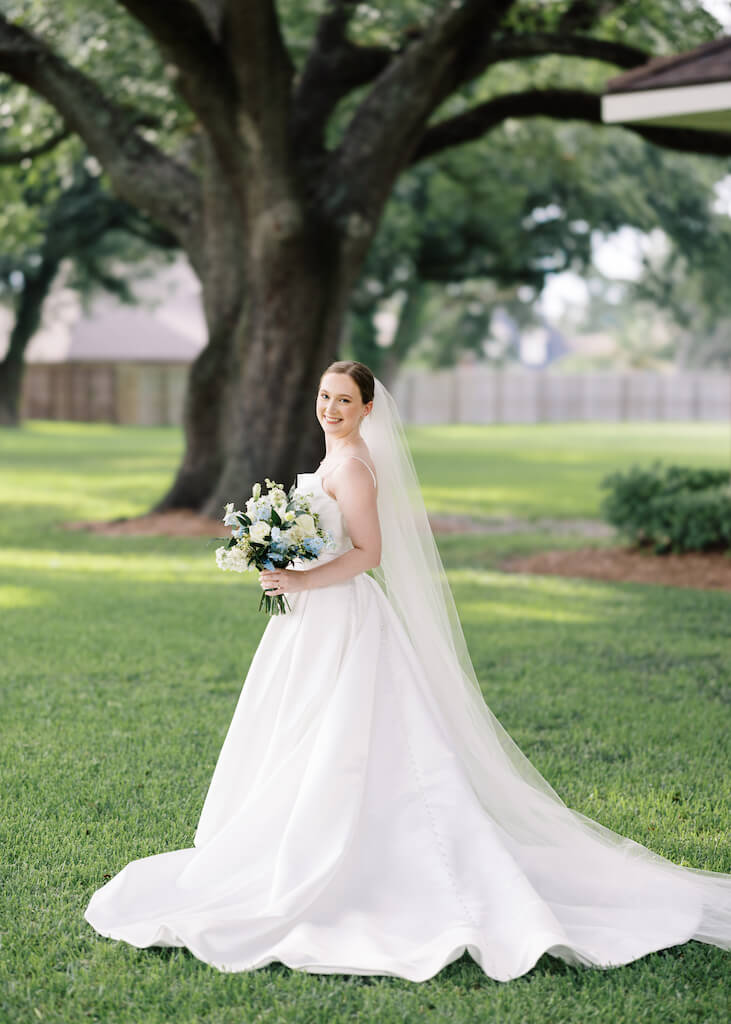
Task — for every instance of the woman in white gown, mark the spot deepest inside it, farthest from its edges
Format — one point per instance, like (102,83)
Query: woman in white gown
(367,813)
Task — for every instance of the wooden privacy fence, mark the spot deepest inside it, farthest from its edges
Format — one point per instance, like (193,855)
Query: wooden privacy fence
(146,394)
(150,394)
(477,394)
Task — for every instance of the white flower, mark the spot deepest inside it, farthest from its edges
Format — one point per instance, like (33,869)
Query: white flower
(259,531)
(294,534)
(306,524)
(256,491)
(232,558)
(230,518)
(289,516)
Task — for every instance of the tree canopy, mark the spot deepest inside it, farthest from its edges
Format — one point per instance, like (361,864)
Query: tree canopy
(267,138)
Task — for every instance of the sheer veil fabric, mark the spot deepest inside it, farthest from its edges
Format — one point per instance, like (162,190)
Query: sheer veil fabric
(569,851)
(368,814)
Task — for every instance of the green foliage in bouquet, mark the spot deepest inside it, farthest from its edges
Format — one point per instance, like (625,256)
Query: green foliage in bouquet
(276,528)
(670,508)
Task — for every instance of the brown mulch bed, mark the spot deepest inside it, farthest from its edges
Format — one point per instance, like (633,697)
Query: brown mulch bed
(187,523)
(707,571)
(177,523)
(701,570)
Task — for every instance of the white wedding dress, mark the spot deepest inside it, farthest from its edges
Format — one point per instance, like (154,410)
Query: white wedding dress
(341,834)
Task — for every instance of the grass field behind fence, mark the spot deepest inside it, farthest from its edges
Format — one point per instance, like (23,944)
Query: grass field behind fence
(122,660)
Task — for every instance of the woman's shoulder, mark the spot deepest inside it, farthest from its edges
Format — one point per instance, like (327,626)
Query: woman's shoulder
(364,460)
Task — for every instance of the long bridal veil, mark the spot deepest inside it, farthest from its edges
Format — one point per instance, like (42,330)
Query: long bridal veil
(577,860)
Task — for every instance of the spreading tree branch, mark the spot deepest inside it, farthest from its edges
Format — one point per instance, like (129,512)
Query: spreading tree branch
(334,67)
(212,12)
(541,44)
(390,121)
(263,72)
(203,74)
(584,14)
(17,156)
(141,173)
(453,49)
(565,104)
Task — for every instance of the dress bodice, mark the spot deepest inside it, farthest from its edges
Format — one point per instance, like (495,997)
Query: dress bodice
(331,519)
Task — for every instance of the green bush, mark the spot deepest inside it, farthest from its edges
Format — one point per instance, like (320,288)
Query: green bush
(671,508)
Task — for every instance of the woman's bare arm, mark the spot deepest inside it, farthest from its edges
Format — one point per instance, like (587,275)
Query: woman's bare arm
(352,486)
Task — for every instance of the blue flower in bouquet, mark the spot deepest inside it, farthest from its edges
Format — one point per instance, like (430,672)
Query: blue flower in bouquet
(263,509)
(312,545)
(296,534)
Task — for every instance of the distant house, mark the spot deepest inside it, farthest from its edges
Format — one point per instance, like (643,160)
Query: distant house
(688,90)
(115,362)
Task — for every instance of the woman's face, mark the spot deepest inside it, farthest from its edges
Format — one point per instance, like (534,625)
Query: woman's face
(340,407)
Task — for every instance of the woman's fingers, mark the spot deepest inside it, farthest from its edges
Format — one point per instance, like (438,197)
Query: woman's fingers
(268,581)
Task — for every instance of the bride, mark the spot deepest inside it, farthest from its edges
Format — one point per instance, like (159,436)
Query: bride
(368,814)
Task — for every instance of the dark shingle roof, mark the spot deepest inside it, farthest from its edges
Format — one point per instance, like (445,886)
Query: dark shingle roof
(709,62)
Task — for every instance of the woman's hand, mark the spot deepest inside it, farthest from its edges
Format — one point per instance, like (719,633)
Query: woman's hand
(282,581)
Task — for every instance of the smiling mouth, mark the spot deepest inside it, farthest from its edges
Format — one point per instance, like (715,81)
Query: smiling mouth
(328,420)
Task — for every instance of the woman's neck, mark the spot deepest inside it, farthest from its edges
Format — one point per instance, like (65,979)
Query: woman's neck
(335,451)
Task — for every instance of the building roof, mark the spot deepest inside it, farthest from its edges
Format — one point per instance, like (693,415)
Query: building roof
(709,62)
(688,90)
(167,326)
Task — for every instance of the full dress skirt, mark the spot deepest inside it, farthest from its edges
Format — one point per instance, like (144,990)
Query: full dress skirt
(341,834)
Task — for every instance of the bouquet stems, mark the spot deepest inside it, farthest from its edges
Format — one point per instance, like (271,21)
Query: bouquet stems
(274,605)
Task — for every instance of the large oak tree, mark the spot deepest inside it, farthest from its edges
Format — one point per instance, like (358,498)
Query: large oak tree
(275,216)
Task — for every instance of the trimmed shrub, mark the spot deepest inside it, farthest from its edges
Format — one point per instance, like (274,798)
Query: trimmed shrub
(670,508)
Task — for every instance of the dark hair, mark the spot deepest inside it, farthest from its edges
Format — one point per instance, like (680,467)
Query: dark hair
(360,373)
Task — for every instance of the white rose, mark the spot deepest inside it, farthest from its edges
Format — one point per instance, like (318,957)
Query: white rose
(259,531)
(294,534)
(306,524)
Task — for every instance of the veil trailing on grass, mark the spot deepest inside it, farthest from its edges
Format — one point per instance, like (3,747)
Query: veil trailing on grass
(606,876)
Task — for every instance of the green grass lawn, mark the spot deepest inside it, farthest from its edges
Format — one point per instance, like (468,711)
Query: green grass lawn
(123,659)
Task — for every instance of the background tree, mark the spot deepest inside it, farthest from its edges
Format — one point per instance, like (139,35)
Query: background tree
(502,215)
(75,223)
(301,123)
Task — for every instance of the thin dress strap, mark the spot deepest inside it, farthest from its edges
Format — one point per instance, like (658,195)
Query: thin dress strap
(359,460)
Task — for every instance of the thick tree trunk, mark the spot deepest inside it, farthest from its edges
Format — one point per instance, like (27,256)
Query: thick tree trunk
(219,265)
(27,320)
(275,299)
(11,383)
(296,299)
(203,458)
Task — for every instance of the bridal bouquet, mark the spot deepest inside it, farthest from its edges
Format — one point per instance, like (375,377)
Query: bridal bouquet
(276,528)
